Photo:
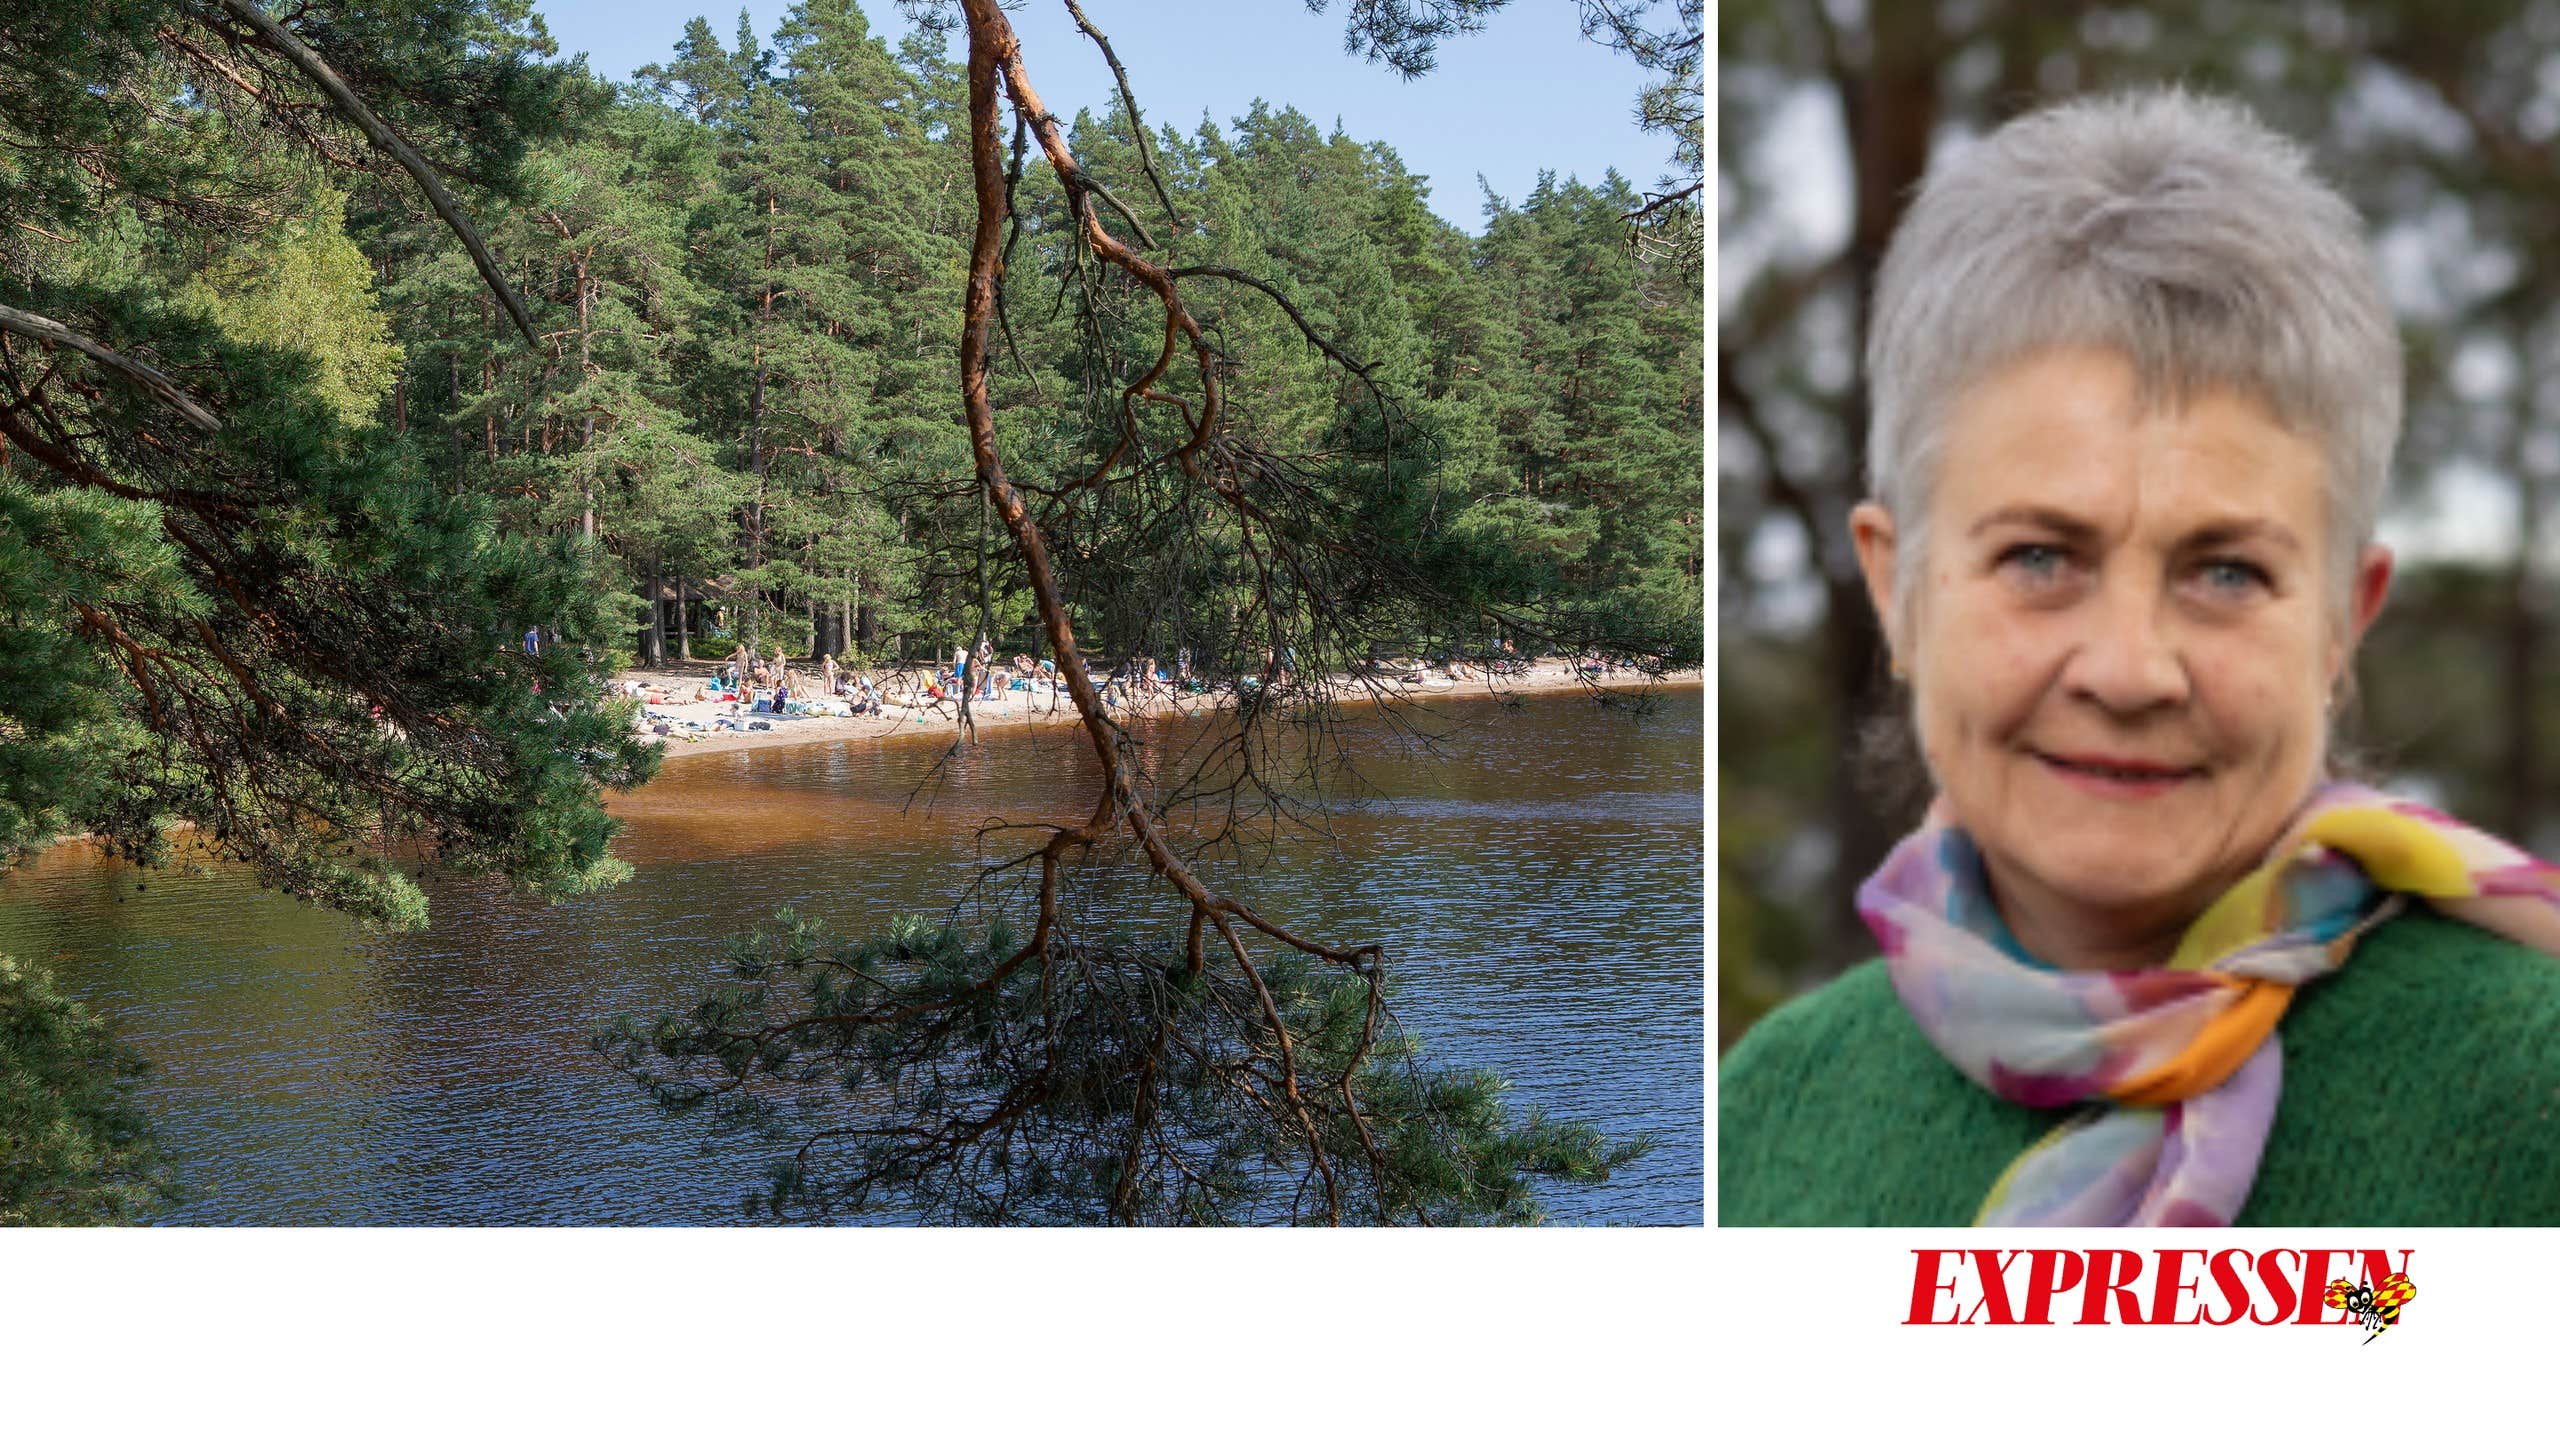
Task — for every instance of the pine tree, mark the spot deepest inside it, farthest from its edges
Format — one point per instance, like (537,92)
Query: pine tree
(1090,1066)
(339,350)
(231,602)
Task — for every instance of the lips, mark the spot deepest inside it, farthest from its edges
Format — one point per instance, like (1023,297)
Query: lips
(2118,775)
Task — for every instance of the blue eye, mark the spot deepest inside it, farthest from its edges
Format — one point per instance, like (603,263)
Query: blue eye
(2037,562)
(2234,576)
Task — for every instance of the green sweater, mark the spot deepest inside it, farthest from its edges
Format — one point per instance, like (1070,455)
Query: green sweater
(2421,1086)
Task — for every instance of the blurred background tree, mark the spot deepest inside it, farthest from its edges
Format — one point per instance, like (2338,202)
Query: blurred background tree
(2436,120)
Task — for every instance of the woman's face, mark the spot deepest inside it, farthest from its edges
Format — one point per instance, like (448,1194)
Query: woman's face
(2123,647)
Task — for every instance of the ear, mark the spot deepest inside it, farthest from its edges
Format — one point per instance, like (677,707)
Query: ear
(2364,602)
(1871,526)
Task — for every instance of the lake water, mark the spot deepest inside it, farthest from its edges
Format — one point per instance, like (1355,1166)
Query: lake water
(1536,873)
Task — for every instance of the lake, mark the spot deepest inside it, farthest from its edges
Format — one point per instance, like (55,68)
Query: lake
(1536,871)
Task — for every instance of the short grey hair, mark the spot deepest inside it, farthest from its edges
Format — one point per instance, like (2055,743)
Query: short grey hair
(2170,227)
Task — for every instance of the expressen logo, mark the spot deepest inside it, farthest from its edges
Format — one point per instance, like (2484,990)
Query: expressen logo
(2374,1306)
(2339,1287)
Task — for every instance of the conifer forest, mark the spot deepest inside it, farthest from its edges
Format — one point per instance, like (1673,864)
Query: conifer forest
(376,384)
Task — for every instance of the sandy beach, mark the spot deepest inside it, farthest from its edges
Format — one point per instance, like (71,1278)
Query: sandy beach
(1019,710)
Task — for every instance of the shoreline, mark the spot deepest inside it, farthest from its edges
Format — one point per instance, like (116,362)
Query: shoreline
(1028,712)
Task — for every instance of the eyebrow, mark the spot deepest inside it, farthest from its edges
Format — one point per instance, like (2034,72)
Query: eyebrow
(2233,531)
(2036,515)
(2241,530)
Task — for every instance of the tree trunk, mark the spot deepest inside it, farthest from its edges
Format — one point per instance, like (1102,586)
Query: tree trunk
(453,372)
(587,421)
(684,634)
(749,601)
(1891,105)
(817,631)
(653,647)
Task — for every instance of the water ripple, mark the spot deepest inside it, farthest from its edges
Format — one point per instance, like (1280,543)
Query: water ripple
(1537,875)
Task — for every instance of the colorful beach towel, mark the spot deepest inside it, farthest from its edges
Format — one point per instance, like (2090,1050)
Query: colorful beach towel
(2181,1066)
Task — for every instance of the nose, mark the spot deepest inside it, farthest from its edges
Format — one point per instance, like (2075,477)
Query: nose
(2129,660)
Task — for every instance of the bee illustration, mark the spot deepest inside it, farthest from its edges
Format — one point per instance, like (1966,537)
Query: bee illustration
(2376,1308)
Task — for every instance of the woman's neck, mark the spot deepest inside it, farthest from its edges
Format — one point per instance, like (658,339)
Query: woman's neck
(2079,938)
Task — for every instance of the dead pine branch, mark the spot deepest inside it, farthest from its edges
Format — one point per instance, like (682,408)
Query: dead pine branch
(1155,1049)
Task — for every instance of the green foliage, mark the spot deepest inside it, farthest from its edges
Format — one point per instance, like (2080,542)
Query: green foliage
(264,615)
(306,288)
(1516,433)
(749,268)
(1112,1084)
(285,614)
(75,1147)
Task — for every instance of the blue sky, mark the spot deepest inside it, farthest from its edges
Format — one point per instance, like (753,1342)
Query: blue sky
(1525,94)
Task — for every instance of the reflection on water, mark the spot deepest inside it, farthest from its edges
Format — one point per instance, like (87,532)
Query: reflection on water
(1536,873)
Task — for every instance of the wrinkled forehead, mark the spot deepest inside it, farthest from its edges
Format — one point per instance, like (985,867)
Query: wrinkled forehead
(2074,432)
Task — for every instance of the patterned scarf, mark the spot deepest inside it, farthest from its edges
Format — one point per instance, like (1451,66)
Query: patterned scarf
(2182,1064)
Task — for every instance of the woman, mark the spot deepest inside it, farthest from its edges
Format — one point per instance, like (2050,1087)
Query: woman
(2147,961)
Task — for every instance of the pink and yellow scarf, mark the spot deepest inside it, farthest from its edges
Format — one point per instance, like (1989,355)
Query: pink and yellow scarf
(2182,1064)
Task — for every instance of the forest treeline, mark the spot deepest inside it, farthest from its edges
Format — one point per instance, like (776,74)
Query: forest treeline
(343,346)
(743,272)
(287,472)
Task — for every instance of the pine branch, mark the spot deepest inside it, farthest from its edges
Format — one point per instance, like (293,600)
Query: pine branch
(286,43)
